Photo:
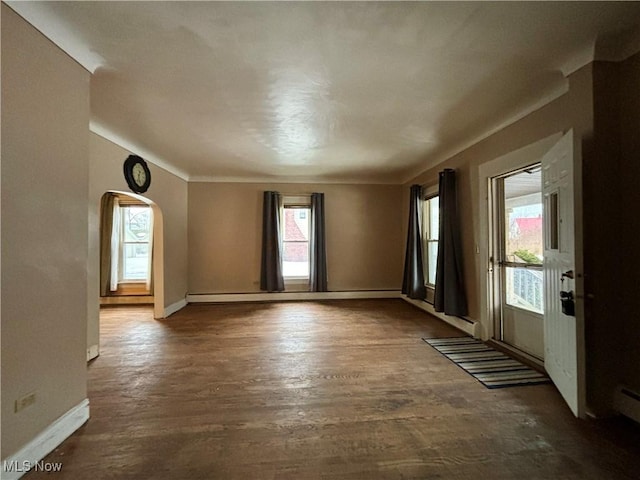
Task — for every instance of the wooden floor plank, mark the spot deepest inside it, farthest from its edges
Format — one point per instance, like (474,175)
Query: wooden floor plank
(318,390)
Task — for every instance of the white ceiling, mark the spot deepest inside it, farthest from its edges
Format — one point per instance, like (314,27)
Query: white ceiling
(323,91)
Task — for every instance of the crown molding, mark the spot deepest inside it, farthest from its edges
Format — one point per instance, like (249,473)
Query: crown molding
(109,135)
(313,180)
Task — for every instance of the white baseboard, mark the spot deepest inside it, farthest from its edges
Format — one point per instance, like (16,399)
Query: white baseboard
(280,296)
(469,327)
(92,352)
(15,466)
(174,307)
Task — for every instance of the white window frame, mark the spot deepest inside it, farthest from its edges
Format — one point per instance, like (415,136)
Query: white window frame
(123,242)
(428,194)
(293,202)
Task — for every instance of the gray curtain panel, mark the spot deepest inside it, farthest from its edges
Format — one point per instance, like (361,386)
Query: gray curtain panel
(271,278)
(106,224)
(413,280)
(317,246)
(450,295)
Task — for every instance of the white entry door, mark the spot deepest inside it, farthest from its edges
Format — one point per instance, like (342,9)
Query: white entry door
(563,329)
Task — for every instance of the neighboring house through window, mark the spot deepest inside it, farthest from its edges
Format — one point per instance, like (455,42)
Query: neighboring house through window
(295,235)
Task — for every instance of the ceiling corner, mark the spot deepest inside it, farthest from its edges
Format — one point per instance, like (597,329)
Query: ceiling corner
(107,134)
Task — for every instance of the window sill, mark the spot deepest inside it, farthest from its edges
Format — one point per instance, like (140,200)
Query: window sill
(296,280)
(131,288)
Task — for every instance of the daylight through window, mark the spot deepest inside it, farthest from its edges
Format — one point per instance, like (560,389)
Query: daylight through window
(430,229)
(295,258)
(134,253)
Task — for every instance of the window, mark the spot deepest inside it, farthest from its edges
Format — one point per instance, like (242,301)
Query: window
(522,234)
(295,257)
(134,243)
(430,230)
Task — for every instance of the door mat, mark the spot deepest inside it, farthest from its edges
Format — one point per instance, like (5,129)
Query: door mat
(492,368)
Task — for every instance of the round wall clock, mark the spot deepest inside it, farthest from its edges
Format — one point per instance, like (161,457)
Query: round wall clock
(137,174)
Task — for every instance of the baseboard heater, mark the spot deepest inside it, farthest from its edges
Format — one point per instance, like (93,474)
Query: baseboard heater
(627,402)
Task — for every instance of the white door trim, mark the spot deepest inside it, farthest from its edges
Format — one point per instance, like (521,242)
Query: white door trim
(520,158)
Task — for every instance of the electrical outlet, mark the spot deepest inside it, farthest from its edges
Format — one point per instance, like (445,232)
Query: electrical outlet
(24,402)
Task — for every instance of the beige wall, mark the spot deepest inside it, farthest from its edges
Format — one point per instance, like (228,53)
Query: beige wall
(364,239)
(168,191)
(45,119)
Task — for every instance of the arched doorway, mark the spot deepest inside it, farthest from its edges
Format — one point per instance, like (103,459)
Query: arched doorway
(131,258)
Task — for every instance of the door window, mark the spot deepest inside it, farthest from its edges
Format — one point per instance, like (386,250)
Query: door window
(522,234)
(517,250)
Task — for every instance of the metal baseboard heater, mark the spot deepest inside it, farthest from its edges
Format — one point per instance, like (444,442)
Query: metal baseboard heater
(627,402)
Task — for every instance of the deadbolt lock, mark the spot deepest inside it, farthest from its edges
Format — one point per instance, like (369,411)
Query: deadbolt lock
(568,303)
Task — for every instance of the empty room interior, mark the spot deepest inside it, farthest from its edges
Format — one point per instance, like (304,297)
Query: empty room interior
(329,240)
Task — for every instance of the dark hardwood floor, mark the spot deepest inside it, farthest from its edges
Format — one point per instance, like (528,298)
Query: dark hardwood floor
(316,390)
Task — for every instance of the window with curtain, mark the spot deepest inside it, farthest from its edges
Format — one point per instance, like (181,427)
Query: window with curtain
(430,228)
(126,246)
(135,237)
(295,242)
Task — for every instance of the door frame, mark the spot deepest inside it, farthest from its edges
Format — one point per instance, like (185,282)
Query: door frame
(520,158)
(499,308)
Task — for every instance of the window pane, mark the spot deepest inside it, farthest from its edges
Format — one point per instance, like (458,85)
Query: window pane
(136,221)
(432,261)
(523,218)
(524,289)
(431,225)
(553,221)
(295,255)
(296,224)
(295,259)
(434,218)
(135,261)
(136,224)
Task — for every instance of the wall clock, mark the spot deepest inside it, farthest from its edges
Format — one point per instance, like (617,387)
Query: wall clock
(137,174)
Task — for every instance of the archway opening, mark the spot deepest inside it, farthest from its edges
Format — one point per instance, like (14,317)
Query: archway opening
(131,251)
